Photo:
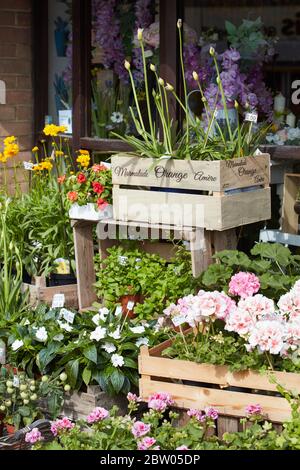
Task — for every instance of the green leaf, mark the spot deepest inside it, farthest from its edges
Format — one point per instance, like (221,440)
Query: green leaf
(86,375)
(273,251)
(24,411)
(91,353)
(230,28)
(117,380)
(128,362)
(72,370)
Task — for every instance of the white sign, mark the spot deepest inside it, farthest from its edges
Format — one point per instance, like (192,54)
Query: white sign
(65,119)
(58,301)
(130,305)
(118,310)
(251,117)
(16,381)
(67,315)
(178,320)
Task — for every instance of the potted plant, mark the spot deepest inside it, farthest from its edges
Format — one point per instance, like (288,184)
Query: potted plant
(89,191)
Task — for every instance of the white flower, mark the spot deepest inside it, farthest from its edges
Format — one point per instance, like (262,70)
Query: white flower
(103,313)
(65,326)
(117,360)
(137,329)
(96,319)
(115,334)
(109,347)
(17,344)
(98,333)
(59,337)
(117,117)
(41,334)
(27,322)
(142,341)
(28,165)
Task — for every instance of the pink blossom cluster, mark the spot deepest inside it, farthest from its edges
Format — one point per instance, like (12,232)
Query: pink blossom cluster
(209,413)
(244,284)
(33,436)
(160,401)
(146,443)
(139,429)
(61,425)
(201,308)
(268,335)
(289,304)
(133,397)
(98,414)
(253,410)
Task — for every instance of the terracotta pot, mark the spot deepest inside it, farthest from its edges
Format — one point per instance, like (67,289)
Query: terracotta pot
(10,428)
(125,299)
(297,207)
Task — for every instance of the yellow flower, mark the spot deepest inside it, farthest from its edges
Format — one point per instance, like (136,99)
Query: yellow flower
(37,167)
(46,165)
(11,150)
(59,153)
(84,152)
(62,129)
(3,158)
(53,130)
(35,149)
(9,140)
(83,160)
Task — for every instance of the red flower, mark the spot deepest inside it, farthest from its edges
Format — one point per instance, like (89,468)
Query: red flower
(81,178)
(97,168)
(98,187)
(72,196)
(101,203)
(61,179)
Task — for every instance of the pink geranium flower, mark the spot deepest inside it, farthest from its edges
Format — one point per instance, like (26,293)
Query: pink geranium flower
(33,436)
(253,410)
(244,284)
(268,335)
(63,424)
(182,448)
(146,443)
(98,414)
(139,429)
(160,401)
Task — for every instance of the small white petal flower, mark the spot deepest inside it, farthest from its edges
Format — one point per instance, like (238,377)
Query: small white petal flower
(59,337)
(115,334)
(103,313)
(17,344)
(109,348)
(142,342)
(137,329)
(41,334)
(65,326)
(27,322)
(98,334)
(117,117)
(96,319)
(117,360)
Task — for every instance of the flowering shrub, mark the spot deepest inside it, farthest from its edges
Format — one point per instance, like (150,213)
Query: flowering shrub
(90,185)
(159,430)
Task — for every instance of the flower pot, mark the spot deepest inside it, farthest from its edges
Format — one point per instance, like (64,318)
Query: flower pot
(125,299)
(297,207)
(89,212)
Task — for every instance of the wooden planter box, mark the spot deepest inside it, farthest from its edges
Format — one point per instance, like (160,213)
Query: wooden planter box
(39,293)
(159,374)
(215,195)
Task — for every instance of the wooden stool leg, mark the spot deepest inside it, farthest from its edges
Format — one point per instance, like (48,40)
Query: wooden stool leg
(225,240)
(84,255)
(201,253)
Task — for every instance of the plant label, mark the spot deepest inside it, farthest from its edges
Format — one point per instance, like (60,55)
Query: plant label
(130,305)
(178,320)
(16,382)
(122,260)
(58,301)
(67,315)
(251,117)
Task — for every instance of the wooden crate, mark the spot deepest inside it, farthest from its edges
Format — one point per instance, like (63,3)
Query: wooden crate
(215,195)
(41,294)
(166,375)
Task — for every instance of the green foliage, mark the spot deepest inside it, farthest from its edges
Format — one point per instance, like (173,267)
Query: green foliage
(276,267)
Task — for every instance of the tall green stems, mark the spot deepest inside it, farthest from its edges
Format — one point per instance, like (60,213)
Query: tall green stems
(127,66)
(220,85)
(179,25)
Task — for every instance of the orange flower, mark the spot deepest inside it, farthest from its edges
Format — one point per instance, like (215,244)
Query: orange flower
(72,196)
(97,168)
(61,179)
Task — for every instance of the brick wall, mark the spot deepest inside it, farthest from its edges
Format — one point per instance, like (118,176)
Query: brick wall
(16,116)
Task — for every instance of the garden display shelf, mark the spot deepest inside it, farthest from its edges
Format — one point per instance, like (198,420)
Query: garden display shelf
(215,195)
(40,293)
(213,385)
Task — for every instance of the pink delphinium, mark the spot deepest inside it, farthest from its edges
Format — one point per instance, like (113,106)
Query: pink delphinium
(98,414)
(139,429)
(146,443)
(268,335)
(61,425)
(253,410)
(160,401)
(244,284)
(34,436)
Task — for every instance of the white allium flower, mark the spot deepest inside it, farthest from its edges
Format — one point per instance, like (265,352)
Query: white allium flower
(98,333)
(115,334)
(117,360)
(137,329)
(109,348)
(41,334)
(65,326)
(17,344)
(142,342)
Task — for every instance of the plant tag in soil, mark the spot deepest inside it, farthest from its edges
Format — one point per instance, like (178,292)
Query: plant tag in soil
(67,315)
(122,260)
(130,305)
(16,381)
(251,117)
(178,320)
(58,301)
(118,310)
